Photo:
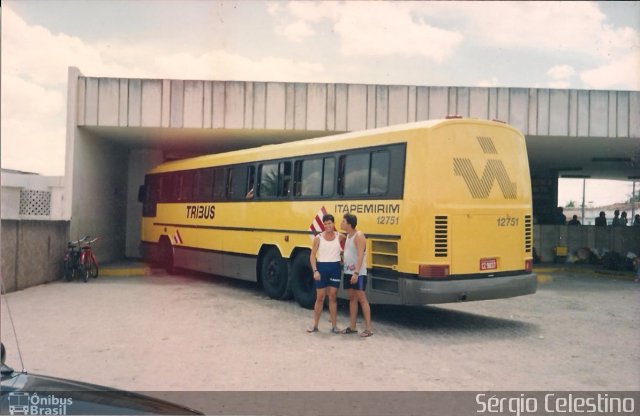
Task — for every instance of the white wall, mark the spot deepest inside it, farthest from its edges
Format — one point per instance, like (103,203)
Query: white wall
(14,183)
(100,193)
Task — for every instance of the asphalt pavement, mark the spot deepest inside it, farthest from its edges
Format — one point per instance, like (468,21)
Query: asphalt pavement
(137,328)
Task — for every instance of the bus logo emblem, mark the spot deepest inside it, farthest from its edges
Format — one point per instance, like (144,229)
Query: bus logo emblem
(494,170)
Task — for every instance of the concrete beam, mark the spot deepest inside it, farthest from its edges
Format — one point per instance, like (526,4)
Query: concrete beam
(346,107)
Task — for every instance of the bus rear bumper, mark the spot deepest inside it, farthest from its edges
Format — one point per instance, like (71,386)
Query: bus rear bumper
(407,291)
(421,292)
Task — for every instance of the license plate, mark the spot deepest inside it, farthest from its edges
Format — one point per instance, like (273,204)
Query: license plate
(488,264)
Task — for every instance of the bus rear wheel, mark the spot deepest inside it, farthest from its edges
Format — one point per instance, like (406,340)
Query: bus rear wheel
(304,291)
(275,278)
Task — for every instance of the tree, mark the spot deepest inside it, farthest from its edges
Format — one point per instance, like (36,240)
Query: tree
(570,204)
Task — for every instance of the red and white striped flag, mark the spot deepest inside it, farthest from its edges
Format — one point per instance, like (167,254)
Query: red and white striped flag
(177,238)
(316,225)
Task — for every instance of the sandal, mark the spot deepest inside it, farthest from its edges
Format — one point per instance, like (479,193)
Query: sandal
(335,330)
(366,333)
(348,330)
(312,329)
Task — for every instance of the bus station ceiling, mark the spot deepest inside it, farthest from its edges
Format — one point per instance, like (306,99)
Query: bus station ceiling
(571,157)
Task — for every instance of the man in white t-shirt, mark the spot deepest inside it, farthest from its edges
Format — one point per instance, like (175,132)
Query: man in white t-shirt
(355,274)
(325,262)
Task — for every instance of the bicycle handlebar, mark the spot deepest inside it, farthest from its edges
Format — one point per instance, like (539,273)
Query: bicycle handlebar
(92,241)
(84,240)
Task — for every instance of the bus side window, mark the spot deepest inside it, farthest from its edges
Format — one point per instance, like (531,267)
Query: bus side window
(229,190)
(379,176)
(297,178)
(202,185)
(328,175)
(354,172)
(164,188)
(219,184)
(364,173)
(186,188)
(151,190)
(308,176)
(197,185)
(206,185)
(268,180)
(237,183)
(284,182)
(251,182)
(176,183)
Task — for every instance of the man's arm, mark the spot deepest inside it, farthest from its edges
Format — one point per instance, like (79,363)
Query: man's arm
(312,257)
(361,245)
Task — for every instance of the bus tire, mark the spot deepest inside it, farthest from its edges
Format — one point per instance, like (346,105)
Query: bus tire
(166,256)
(304,291)
(275,276)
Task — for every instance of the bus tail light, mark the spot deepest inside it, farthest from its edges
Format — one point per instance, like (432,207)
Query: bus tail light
(528,265)
(433,271)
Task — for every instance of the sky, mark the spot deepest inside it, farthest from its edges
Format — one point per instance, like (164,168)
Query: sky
(576,45)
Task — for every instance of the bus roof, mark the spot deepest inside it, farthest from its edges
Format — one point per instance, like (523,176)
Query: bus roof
(307,146)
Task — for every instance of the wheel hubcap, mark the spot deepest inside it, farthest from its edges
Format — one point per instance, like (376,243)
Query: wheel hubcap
(272,272)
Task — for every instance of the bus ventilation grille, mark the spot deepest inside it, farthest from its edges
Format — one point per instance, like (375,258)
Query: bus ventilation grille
(528,231)
(441,236)
(384,254)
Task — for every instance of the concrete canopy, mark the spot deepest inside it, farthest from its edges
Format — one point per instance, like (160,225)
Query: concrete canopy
(580,157)
(573,132)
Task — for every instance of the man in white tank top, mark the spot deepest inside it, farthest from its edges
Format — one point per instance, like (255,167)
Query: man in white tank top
(355,274)
(325,262)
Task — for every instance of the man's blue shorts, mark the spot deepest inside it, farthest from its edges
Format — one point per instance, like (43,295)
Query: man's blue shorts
(361,284)
(329,274)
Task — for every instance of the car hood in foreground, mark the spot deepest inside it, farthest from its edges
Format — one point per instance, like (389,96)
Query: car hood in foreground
(51,395)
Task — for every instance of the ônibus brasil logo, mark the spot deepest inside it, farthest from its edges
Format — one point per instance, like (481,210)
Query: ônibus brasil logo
(22,403)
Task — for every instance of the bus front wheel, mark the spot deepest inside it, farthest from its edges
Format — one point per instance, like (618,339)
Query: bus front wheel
(166,256)
(275,279)
(302,281)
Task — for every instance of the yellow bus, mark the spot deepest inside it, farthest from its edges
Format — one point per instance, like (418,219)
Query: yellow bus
(445,205)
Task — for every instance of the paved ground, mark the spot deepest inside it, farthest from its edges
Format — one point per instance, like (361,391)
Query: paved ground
(196,332)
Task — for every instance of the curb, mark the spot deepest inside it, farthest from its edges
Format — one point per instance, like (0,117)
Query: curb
(612,274)
(125,271)
(544,278)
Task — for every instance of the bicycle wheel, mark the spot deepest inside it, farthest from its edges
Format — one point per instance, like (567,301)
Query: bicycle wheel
(85,270)
(68,271)
(93,268)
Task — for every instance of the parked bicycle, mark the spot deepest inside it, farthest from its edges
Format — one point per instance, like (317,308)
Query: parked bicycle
(79,260)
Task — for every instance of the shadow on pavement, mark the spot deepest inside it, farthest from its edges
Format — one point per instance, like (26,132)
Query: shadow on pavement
(439,318)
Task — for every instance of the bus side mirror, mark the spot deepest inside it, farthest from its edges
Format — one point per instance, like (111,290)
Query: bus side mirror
(142,191)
